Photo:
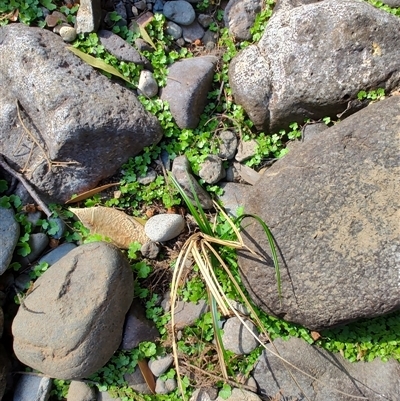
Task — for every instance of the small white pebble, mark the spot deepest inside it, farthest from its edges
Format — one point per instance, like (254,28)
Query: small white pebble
(68,33)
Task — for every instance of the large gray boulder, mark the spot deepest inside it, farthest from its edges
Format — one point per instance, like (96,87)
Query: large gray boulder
(333,207)
(374,380)
(71,323)
(75,113)
(313,59)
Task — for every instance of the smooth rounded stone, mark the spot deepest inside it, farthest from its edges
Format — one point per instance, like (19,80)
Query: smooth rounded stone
(73,320)
(205,20)
(364,379)
(9,234)
(137,328)
(158,6)
(239,17)
(163,227)
(192,32)
(161,364)
(57,253)
(119,48)
(137,382)
(165,387)
(150,250)
(182,172)
(88,16)
(246,150)
(173,29)
(239,394)
(58,27)
(237,338)
(147,84)
(5,367)
(228,145)
(212,169)
(181,12)
(80,391)
(68,33)
(32,388)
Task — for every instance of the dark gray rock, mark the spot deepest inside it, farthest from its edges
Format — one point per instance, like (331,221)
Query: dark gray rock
(291,74)
(32,388)
(88,16)
(137,328)
(210,39)
(72,322)
(73,111)
(9,234)
(80,391)
(188,83)
(239,17)
(212,169)
(136,381)
(173,29)
(181,12)
(119,48)
(192,32)
(374,380)
(182,172)
(38,243)
(332,205)
(150,250)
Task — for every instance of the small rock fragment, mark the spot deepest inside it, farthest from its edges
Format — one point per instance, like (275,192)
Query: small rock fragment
(68,33)
(228,146)
(88,16)
(9,234)
(237,338)
(147,84)
(150,250)
(181,12)
(212,169)
(165,387)
(192,32)
(80,391)
(246,150)
(161,364)
(173,29)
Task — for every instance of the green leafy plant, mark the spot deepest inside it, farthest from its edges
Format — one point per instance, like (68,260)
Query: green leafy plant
(377,94)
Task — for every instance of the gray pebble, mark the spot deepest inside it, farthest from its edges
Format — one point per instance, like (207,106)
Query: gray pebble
(192,32)
(148,87)
(150,250)
(9,234)
(246,150)
(228,146)
(80,391)
(165,387)
(161,364)
(205,20)
(212,169)
(57,253)
(236,337)
(163,227)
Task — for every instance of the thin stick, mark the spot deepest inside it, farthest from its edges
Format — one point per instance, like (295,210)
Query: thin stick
(25,183)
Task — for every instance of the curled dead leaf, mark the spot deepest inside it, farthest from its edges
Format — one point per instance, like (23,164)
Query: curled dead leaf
(114,224)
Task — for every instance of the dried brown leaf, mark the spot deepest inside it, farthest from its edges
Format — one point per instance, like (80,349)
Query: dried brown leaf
(114,224)
(88,194)
(147,375)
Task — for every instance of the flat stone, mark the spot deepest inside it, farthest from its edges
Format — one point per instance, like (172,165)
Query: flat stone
(332,206)
(372,380)
(119,48)
(163,227)
(192,32)
(72,322)
(186,313)
(9,234)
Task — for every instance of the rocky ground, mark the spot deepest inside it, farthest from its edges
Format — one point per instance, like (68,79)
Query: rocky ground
(331,203)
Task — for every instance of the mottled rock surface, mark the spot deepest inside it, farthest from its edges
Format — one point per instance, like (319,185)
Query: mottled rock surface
(333,207)
(77,114)
(9,234)
(374,380)
(291,74)
(71,323)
